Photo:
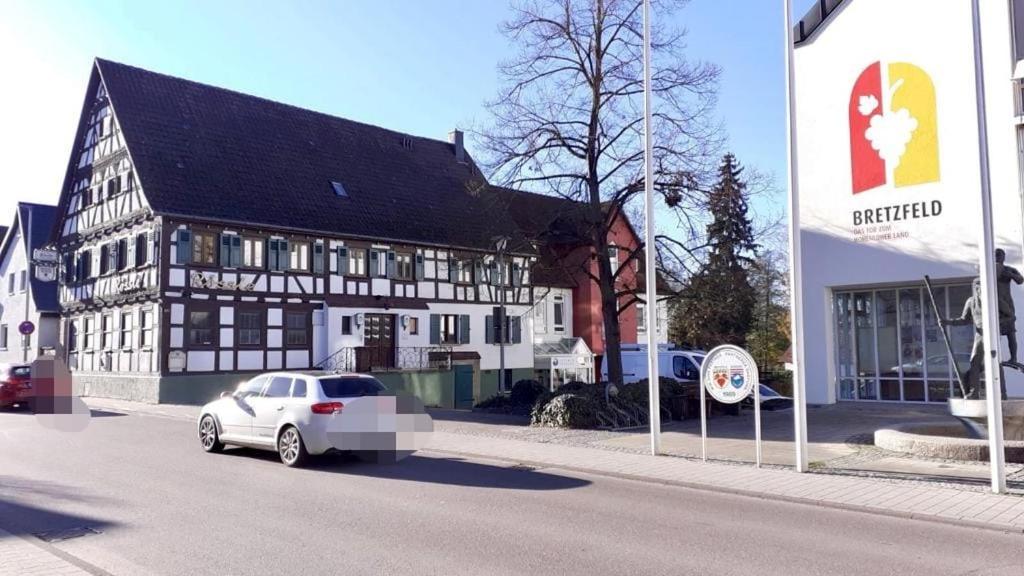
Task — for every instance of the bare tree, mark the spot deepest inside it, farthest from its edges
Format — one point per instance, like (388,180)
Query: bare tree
(570,118)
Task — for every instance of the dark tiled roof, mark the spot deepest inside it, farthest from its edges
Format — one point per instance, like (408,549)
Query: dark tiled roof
(814,19)
(210,153)
(44,294)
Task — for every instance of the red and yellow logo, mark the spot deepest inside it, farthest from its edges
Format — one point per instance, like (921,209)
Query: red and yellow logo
(894,134)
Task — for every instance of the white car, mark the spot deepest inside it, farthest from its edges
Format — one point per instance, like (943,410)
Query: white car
(289,412)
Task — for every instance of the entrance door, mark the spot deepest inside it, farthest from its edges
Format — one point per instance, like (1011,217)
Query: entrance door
(463,386)
(378,351)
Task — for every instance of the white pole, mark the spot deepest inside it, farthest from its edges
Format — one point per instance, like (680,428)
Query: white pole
(757,417)
(993,388)
(703,422)
(795,275)
(650,250)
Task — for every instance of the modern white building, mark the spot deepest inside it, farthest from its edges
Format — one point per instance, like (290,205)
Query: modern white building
(890,187)
(22,297)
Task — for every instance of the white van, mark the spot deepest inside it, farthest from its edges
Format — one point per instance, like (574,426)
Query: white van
(683,365)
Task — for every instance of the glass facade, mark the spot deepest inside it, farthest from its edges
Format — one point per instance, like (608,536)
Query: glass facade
(888,345)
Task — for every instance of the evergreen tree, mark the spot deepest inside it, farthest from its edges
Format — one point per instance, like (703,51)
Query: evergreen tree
(717,306)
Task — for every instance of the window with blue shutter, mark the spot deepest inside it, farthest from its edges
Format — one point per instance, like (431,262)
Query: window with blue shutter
(225,250)
(342,253)
(374,264)
(435,329)
(318,257)
(464,329)
(489,336)
(419,267)
(236,250)
(494,273)
(517,274)
(277,254)
(184,246)
(515,330)
(391,264)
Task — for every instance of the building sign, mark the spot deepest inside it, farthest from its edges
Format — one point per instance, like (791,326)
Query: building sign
(130,284)
(202,281)
(894,140)
(729,374)
(176,360)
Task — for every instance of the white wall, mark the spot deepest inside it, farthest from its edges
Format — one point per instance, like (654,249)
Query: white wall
(935,36)
(12,306)
(516,355)
(546,333)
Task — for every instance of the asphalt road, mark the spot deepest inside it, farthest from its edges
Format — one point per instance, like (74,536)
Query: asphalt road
(162,506)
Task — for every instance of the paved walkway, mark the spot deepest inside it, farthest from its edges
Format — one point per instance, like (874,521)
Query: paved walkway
(935,503)
(20,557)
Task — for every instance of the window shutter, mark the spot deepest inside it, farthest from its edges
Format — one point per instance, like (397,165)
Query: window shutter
(184,246)
(129,257)
(494,272)
(489,333)
(391,264)
(419,267)
(343,260)
(112,257)
(517,274)
(318,257)
(464,329)
(225,250)
(374,270)
(151,242)
(236,250)
(453,270)
(283,255)
(516,329)
(435,329)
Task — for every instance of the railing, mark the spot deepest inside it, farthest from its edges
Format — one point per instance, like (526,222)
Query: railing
(376,359)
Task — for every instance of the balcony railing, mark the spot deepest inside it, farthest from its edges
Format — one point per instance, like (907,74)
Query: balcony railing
(382,359)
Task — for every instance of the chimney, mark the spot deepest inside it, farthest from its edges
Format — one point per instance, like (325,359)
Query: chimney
(455,138)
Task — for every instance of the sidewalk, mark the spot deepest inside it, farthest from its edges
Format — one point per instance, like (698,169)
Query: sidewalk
(19,557)
(934,503)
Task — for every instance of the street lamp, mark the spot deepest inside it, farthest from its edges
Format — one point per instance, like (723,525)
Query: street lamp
(501,244)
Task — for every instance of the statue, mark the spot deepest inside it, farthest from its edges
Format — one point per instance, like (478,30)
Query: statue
(1007,313)
(972,314)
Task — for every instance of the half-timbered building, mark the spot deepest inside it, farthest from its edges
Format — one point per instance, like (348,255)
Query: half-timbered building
(207,234)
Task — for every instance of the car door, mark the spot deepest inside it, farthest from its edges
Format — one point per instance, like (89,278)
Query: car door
(235,413)
(268,408)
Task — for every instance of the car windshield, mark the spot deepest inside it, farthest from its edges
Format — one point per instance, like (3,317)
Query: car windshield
(340,387)
(21,371)
(768,392)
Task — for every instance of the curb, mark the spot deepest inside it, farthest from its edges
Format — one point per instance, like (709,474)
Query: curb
(1006,529)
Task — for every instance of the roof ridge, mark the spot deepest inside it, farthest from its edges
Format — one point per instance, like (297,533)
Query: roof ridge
(102,61)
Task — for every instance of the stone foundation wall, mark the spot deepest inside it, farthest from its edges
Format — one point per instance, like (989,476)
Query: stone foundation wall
(139,388)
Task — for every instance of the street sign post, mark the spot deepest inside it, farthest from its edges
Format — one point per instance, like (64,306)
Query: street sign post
(729,374)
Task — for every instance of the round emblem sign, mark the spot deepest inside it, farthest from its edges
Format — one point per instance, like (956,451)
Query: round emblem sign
(26,328)
(729,374)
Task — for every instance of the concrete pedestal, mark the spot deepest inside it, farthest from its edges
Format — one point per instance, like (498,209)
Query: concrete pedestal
(974,416)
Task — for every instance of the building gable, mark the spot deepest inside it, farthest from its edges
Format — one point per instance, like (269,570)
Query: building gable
(101,187)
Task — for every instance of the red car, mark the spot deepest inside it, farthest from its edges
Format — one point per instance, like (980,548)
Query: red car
(15,385)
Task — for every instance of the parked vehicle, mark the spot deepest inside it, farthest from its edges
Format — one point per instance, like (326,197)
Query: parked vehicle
(683,365)
(16,385)
(288,412)
(770,400)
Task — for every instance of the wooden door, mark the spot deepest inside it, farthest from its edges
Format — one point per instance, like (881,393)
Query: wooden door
(378,351)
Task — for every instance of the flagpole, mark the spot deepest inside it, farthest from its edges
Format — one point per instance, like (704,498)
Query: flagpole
(993,371)
(650,261)
(795,273)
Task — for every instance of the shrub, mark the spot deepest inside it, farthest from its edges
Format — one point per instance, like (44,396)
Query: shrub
(525,392)
(570,410)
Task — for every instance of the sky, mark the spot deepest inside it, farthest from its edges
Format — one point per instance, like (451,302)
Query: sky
(420,67)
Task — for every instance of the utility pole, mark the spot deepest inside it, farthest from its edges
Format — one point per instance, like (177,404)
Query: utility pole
(502,321)
(650,250)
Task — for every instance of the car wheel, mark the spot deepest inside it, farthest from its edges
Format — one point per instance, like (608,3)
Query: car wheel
(291,448)
(208,436)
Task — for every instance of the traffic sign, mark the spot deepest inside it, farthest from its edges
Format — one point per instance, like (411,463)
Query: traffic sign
(26,328)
